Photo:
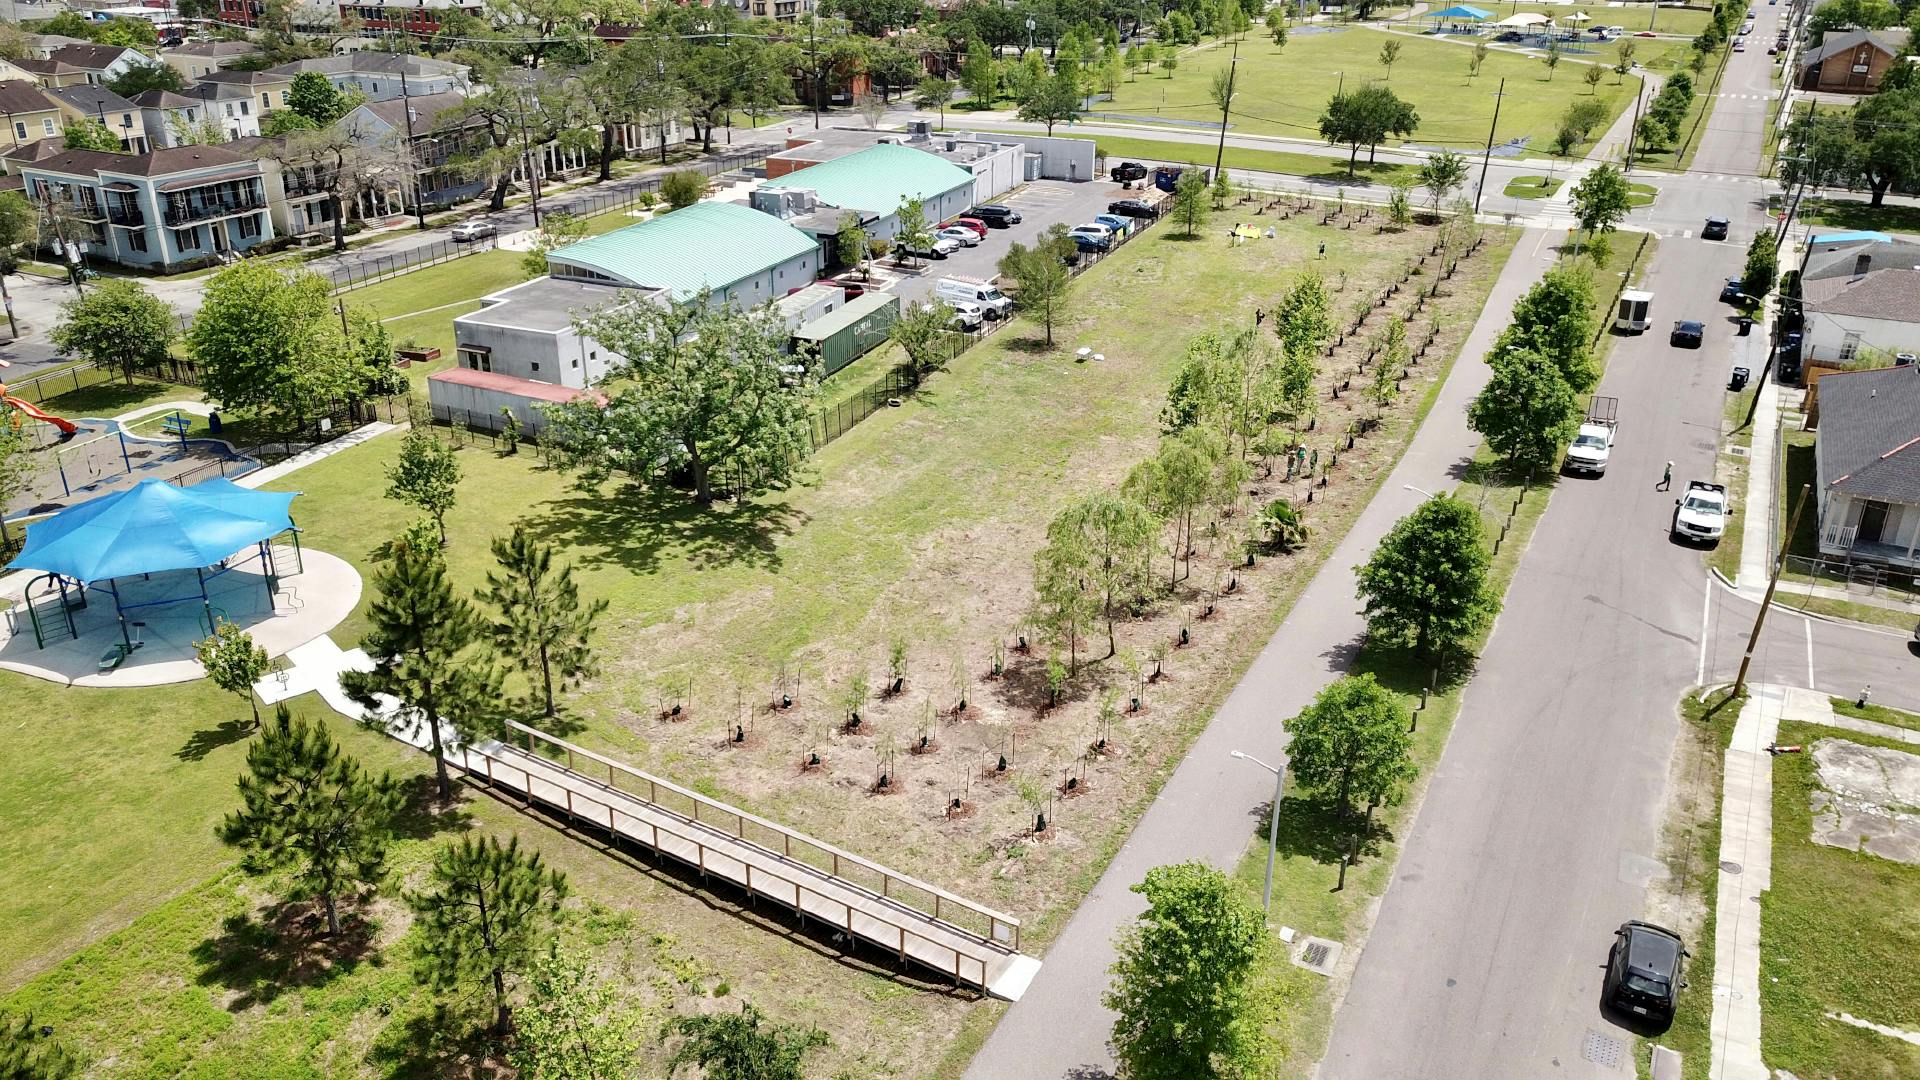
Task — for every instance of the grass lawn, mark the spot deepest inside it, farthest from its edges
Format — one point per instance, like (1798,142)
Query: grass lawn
(917,525)
(1641,194)
(1686,141)
(1533,187)
(1838,933)
(1731,470)
(1308,867)
(1283,92)
(1860,214)
(1877,713)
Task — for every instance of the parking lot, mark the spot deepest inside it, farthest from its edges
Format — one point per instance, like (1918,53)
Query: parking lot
(1041,204)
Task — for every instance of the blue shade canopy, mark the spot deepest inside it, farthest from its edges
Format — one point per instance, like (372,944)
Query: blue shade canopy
(1461,11)
(151,527)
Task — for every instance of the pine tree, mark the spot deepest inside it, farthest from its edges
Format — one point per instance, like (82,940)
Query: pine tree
(420,631)
(487,913)
(233,662)
(426,475)
(28,1053)
(542,625)
(311,811)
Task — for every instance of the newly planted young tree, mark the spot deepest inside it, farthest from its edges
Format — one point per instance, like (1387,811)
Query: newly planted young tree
(420,641)
(1040,276)
(1400,202)
(543,624)
(574,1027)
(1352,743)
(1428,578)
(1184,980)
(852,244)
(426,475)
(487,913)
(1442,174)
(738,1046)
(1176,481)
(119,326)
(1389,56)
(703,386)
(916,232)
(1190,200)
(233,662)
(1106,541)
(310,816)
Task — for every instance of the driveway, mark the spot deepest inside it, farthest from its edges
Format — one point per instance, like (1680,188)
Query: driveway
(1041,203)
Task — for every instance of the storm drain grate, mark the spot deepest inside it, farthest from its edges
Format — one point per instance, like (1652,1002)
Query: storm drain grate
(1317,955)
(1601,1049)
(1739,451)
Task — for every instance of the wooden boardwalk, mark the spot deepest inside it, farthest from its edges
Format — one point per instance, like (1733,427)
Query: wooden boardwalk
(967,942)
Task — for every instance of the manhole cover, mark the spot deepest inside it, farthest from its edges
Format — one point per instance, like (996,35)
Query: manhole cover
(1601,1049)
(1729,866)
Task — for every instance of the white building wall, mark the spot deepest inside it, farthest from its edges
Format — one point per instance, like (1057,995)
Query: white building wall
(1826,335)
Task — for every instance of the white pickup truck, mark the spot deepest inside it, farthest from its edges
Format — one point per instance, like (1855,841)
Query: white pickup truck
(1594,442)
(1701,514)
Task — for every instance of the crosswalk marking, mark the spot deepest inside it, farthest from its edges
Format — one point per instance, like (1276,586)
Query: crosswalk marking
(1686,234)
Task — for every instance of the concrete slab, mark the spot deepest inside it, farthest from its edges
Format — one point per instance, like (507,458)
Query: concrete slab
(1870,801)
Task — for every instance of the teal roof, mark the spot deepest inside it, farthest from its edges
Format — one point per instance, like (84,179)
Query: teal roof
(707,245)
(877,178)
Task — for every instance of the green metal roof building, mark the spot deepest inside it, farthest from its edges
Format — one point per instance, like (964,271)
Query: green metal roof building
(744,256)
(875,180)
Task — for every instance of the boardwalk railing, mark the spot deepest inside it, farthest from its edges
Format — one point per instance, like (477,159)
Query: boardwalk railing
(899,890)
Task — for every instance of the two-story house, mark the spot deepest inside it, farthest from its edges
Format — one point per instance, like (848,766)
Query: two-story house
(53,73)
(172,119)
(415,121)
(98,64)
(421,18)
(267,90)
(198,59)
(383,76)
(297,195)
(42,46)
(161,209)
(30,115)
(231,105)
(117,114)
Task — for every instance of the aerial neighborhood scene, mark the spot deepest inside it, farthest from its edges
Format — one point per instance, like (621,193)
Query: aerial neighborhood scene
(960,539)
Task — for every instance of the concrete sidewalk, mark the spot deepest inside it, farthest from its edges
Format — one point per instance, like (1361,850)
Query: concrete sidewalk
(1210,804)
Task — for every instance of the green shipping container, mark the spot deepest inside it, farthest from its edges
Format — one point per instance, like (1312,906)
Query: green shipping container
(846,335)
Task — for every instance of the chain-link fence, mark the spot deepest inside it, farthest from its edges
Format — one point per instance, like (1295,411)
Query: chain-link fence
(354,271)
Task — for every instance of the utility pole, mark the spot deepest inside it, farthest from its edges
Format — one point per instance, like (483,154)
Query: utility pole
(1226,105)
(526,155)
(1487,161)
(1634,132)
(813,61)
(406,102)
(1773,582)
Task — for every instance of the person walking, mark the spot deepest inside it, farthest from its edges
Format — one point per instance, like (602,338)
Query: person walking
(1666,479)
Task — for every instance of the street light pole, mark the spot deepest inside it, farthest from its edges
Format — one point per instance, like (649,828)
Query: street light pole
(1273,826)
(1773,582)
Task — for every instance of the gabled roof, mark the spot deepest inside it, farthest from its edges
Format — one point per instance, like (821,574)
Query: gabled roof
(1851,258)
(877,178)
(372,63)
(47,67)
(1887,41)
(1893,294)
(92,57)
(175,159)
(1869,439)
(92,99)
(426,108)
(706,245)
(209,89)
(165,99)
(20,96)
(216,49)
(246,78)
(54,41)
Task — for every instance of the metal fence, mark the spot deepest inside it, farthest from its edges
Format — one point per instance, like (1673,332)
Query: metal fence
(357,270)
(42,388)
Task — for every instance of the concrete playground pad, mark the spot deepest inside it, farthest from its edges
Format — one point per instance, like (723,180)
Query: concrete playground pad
(308,604)
(1870,799)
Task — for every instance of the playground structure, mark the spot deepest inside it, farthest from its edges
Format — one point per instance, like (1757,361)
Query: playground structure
(101,457)
(157,567)
(32,411)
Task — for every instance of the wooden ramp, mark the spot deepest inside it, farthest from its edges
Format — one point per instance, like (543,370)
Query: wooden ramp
(967,942)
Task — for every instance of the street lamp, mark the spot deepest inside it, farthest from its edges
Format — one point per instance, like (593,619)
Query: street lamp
(1273,825)
(1420,491)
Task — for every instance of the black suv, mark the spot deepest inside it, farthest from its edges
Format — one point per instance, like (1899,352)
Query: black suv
(1643,971)
(1716,229)
(1687,334)
(1128,171)
(1133,208)
(995,215)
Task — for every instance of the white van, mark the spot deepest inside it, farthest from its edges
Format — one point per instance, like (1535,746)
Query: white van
(997,304)
(1632,316)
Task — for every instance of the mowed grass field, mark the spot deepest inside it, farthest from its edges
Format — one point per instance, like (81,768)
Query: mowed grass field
(1283,91)
(917,526)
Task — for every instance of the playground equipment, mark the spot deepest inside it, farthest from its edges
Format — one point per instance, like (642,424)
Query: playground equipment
(67,427)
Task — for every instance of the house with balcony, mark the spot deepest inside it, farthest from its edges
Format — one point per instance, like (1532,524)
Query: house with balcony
(266,90)
(165,210)
(101,105)
(418,123)
(298,199)
(30,115)
(384,76)
(198,59)
(1867,462)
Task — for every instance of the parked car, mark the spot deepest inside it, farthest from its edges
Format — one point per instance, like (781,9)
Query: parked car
(1701,514)
(966,315)
(975,224)
(1773,50)
(1715,229)
(473,230)
(1643,970)
(936,247)
(1127,172)
(961,235)
(853,285)
(1740,44)
(1098,235)
(1120,226)
(1133,208)
(1734,291)
(1646,33)
(1687,334)
(995,215)
(1086,244)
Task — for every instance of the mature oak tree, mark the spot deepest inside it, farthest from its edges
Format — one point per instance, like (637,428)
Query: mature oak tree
(1428,578)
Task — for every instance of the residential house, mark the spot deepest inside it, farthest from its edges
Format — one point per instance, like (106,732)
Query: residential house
(117,114)
(53,73)
(412,121)
(383,76)
(42,46)
(267,90)
(1851,62)
(1861,319)
(30,114)
(298,202)
(1855,254)
(231,105)
(420,18)
(172,119)
(1867,465)
(100,64)
(160,209)
(9,72)
(198,59)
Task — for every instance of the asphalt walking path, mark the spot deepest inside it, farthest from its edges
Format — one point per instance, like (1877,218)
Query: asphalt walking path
(1212,805)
